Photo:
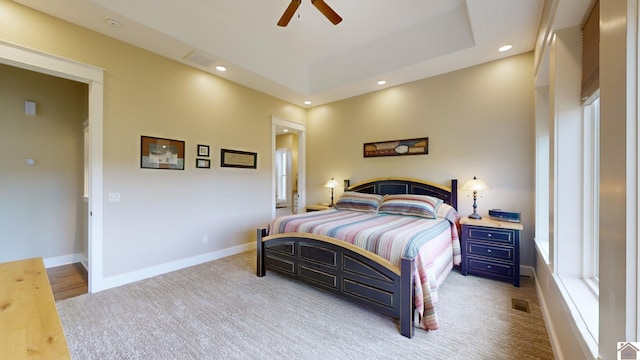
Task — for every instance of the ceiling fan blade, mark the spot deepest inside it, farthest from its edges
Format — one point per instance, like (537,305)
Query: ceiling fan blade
(327,11)
(288,13)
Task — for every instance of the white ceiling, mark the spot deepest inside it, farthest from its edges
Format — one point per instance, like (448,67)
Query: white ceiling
(396,40)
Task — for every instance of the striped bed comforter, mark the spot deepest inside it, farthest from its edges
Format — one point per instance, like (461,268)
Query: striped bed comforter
(433,243)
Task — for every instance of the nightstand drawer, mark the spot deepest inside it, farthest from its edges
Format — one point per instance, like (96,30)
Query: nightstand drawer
(496,252)
(489,234)
(490,267)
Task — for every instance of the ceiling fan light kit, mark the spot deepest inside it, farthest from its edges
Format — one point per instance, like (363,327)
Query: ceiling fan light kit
(319,4)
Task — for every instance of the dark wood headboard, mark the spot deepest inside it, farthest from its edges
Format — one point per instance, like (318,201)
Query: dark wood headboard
(393,186)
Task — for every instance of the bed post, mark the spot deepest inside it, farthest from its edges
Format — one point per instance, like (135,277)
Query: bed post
(454,193)
(406,297)
(260,269)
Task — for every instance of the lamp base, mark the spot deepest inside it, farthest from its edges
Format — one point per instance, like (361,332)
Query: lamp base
(475,216)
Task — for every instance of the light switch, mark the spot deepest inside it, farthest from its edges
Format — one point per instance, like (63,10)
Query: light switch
(114,197)
(29,107)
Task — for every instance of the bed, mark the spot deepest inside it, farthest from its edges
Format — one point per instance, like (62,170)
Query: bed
(391,259)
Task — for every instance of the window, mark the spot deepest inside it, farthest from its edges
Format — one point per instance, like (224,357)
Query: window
(591,161)
(282,174)
(543,212)
(567,187)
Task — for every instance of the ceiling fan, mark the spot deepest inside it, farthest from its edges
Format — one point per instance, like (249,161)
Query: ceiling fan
(319,4)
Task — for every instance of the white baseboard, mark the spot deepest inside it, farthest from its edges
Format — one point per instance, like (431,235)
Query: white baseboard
(64,260)
(527,271)
(118,280)
(553,338)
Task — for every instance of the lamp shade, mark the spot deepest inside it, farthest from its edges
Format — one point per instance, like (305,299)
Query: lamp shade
(331,183)
(475,184)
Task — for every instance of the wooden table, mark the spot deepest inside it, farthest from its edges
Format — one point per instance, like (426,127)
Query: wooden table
(29,323)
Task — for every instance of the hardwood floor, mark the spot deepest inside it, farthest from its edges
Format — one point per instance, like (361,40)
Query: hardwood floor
(68,281)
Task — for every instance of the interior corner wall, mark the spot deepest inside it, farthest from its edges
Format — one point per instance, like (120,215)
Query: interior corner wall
(165,216)
(42,213)
(479,121)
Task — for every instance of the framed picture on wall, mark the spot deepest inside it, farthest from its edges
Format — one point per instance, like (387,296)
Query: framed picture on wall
(203,150)
(203,163)
(419,146)
(159,153)
(238,159)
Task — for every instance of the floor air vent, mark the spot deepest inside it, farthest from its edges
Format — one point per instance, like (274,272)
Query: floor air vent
(521,305)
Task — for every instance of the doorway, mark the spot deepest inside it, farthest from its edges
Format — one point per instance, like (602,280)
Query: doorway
(288,173)
(29,59)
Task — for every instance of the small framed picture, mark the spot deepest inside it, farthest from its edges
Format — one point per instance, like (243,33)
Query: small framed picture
(203,163)
(203,150)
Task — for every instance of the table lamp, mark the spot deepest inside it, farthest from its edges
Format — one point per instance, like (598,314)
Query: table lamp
(331,184)
(475,185)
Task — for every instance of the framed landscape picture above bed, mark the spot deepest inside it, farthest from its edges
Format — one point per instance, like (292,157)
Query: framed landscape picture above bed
(159,153)
(419,146)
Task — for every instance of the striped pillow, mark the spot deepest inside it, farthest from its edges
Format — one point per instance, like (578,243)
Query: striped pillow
(446,211)
(415,205)
(359,202)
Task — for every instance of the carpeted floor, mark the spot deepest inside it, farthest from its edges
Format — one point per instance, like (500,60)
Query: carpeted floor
(221,310)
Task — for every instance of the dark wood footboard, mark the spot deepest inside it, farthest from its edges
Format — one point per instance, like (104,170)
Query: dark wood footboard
(343,269)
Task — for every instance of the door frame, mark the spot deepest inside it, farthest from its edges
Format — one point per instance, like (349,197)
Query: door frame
(301,130)
(41,62)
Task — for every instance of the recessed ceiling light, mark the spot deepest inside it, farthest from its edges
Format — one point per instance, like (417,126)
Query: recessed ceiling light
(113,23)
(307,102)
(505,48)
(285,130)
(221,68)
(381,82)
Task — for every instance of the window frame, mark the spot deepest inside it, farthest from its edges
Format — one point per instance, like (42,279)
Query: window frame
(591,191)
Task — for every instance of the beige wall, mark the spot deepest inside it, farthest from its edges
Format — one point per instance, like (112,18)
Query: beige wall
(164,214)
(41,211)
(480,121)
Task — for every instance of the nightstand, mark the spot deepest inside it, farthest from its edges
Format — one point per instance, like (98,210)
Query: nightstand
(317,207)
(491,248)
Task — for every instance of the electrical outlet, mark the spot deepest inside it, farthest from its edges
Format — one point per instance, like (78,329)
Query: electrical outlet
(205,239)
